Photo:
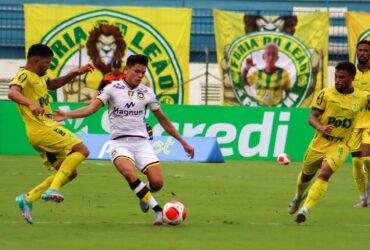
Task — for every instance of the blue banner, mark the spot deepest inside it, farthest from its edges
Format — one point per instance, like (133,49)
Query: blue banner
(165,147)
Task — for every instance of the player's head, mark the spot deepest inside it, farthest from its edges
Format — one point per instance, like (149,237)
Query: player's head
(39,57)
(135,69)
(363,51)
(116,67)
(344,75)
(270,55)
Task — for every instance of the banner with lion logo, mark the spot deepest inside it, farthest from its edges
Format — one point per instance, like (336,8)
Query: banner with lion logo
(100,35)
(276,61)
(358,27)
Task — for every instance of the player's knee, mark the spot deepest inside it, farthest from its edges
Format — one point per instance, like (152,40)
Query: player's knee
(73,175)
(306,178)
(85,151)
(325,173)
(156,185)
(81,148)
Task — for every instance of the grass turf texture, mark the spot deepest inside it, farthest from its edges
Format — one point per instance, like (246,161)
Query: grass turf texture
(235,205)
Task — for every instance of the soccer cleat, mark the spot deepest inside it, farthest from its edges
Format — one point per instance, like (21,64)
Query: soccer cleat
(301,216)
(25,207)
(158,219)
(361,204)
(144,206)
(52,194)
(294,205)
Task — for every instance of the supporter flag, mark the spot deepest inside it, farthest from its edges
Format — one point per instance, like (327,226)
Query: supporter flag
(99,35)
(358,26)
(271,60)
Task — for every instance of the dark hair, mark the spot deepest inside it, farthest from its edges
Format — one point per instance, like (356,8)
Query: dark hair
(137,59)
(363,42)
(347,66)
(116,64)
(40,50)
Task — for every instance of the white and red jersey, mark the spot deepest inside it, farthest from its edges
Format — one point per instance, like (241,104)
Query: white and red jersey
(127,108)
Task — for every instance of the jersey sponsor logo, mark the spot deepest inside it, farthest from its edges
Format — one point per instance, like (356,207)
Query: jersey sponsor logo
(344,123)
(59,131)
(119,86)
(129,105)
(294,57)
(140,37)
(120,113)
(333,138)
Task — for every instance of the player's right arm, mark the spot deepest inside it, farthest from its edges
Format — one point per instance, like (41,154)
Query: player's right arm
(16,87)
(318,108)
(314,121)
(94,105)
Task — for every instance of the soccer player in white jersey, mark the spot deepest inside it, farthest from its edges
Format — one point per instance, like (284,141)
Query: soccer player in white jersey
(127,100)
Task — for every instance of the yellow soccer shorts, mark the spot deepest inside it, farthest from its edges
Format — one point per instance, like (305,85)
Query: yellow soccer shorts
(335,155)
(359,136)
(53,143)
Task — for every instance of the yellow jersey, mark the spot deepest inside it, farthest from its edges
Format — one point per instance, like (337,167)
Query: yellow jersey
(35,88)
(270,87)
(362,82)
(339,110)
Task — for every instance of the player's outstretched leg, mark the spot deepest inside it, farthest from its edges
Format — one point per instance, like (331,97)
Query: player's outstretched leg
(146,197)
(25,207)
(158,219)
(362,203)
(301,216)
(294,204)
(52,194)
(144,206)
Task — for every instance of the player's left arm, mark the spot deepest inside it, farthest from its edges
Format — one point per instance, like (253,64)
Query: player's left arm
(94,105)
(58,82)
(314,121)
(169,128)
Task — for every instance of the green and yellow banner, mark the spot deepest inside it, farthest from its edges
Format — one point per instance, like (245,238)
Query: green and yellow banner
(99,35)
(358,27)
(276,61)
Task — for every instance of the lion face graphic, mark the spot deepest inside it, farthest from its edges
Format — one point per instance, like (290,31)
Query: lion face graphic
(285,24)
(105,44)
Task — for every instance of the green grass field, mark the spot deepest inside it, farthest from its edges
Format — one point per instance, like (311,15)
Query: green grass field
(235,205)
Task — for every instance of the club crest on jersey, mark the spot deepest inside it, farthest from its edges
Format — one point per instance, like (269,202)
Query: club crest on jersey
(130,93)
(140,96)
(22,77)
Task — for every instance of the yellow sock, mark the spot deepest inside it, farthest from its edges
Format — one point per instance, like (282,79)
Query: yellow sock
(366,161)
(358,174)
(316,192)
(68,166)
(301,186)
(37,191)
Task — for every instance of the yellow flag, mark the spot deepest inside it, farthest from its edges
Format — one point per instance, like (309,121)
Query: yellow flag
(99,35)
(358,26)
(271,60)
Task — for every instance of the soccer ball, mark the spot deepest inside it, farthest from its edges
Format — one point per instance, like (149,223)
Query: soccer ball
(283,159)
(174,212)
